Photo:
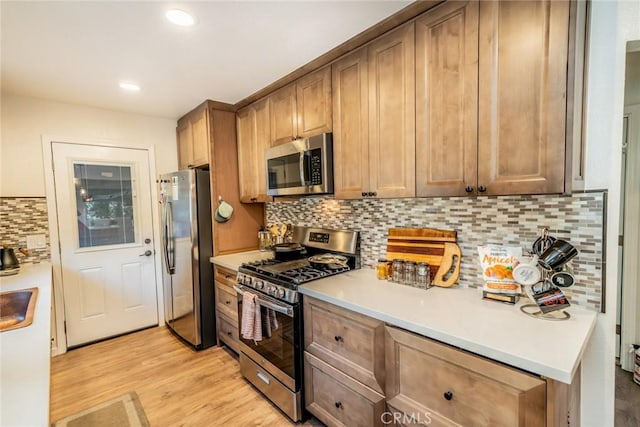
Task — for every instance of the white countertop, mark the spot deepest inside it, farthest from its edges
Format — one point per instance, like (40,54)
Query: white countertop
(233,261)
(26,353)
(461,318)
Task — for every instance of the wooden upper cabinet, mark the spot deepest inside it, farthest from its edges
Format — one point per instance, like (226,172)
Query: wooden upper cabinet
(522,96)
(283,116)
(313,101)
(193,139)
(252,126)
(374,119)
(185,144)
(391,63)
(351,125)
(302,108)
(447,100)
(200,134)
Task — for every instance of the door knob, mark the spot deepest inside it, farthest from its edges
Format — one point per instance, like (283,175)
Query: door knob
(147,253)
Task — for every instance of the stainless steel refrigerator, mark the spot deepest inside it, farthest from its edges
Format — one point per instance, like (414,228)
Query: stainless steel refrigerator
(186,245)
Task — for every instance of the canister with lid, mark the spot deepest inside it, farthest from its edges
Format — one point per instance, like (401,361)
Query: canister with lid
(409,273)
(423,278)
(398,270)
(382,269)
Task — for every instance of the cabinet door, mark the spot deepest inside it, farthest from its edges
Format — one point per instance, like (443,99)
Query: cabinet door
(263,141)
(200,138)
(447,100)
(351,125)
(247,156)
(282,111)
(392,114)
(185,142)
(446,386)
(522,96)
(252,127)
(313,101)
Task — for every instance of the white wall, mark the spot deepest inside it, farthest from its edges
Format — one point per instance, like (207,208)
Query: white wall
(612,25)
(24,121)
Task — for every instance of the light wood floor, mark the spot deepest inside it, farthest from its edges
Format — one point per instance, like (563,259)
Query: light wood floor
(176,385)
(627,400)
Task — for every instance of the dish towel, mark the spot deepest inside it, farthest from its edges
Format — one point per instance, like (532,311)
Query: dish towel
(251,327)
(273,320)
(269,322)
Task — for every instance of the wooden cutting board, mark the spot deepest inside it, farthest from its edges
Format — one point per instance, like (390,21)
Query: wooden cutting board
(438,248)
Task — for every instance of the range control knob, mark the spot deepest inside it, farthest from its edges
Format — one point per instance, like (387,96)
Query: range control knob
(258,284)
(281,293)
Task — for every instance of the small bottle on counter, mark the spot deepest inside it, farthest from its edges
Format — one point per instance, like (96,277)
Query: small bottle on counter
(409,273)
(423,275)
(382,269)
(398,270)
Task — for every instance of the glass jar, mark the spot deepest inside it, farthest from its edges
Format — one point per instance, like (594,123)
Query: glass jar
(382,269)
(264,240)
(423,276)
(398,270)
(409,273)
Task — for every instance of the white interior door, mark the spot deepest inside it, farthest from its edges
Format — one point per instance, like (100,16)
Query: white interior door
(630,297)
(104,209)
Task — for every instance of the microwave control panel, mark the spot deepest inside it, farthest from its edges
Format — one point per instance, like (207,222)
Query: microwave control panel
(316,167)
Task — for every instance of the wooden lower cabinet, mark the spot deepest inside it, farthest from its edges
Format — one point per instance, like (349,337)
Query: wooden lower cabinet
(228,332)
(336,399)
(351,342)
(446,386)
(226,307)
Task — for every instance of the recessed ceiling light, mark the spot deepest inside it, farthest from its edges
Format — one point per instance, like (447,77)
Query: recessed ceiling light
(128,86)
(180,17)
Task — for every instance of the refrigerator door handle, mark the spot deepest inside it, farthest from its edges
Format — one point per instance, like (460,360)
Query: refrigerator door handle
(169,251)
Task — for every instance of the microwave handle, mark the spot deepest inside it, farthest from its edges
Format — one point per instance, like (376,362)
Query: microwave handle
(303,170)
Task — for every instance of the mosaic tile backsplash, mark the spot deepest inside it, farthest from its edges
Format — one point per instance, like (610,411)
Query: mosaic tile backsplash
(500,220)
(22,216)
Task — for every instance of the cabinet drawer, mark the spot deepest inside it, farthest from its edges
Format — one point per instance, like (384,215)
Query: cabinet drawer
(228,332)
(226,301)
(338,400)
(225,276)
(349,341)
(279,394)
(455,387)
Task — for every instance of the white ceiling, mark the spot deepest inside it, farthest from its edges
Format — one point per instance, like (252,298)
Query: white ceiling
(78,51)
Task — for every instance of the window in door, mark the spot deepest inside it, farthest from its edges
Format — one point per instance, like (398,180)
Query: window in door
(104,202)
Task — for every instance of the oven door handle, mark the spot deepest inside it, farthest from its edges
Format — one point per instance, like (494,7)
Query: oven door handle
(284,309)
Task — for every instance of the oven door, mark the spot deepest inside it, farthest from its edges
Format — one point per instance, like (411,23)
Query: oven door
(279,351)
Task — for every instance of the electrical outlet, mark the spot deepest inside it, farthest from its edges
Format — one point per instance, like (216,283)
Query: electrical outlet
(36,241)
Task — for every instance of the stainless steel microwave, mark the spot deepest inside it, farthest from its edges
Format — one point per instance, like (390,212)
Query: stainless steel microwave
(301,167)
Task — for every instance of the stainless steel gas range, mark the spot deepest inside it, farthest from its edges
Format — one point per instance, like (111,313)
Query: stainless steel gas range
(273,363)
